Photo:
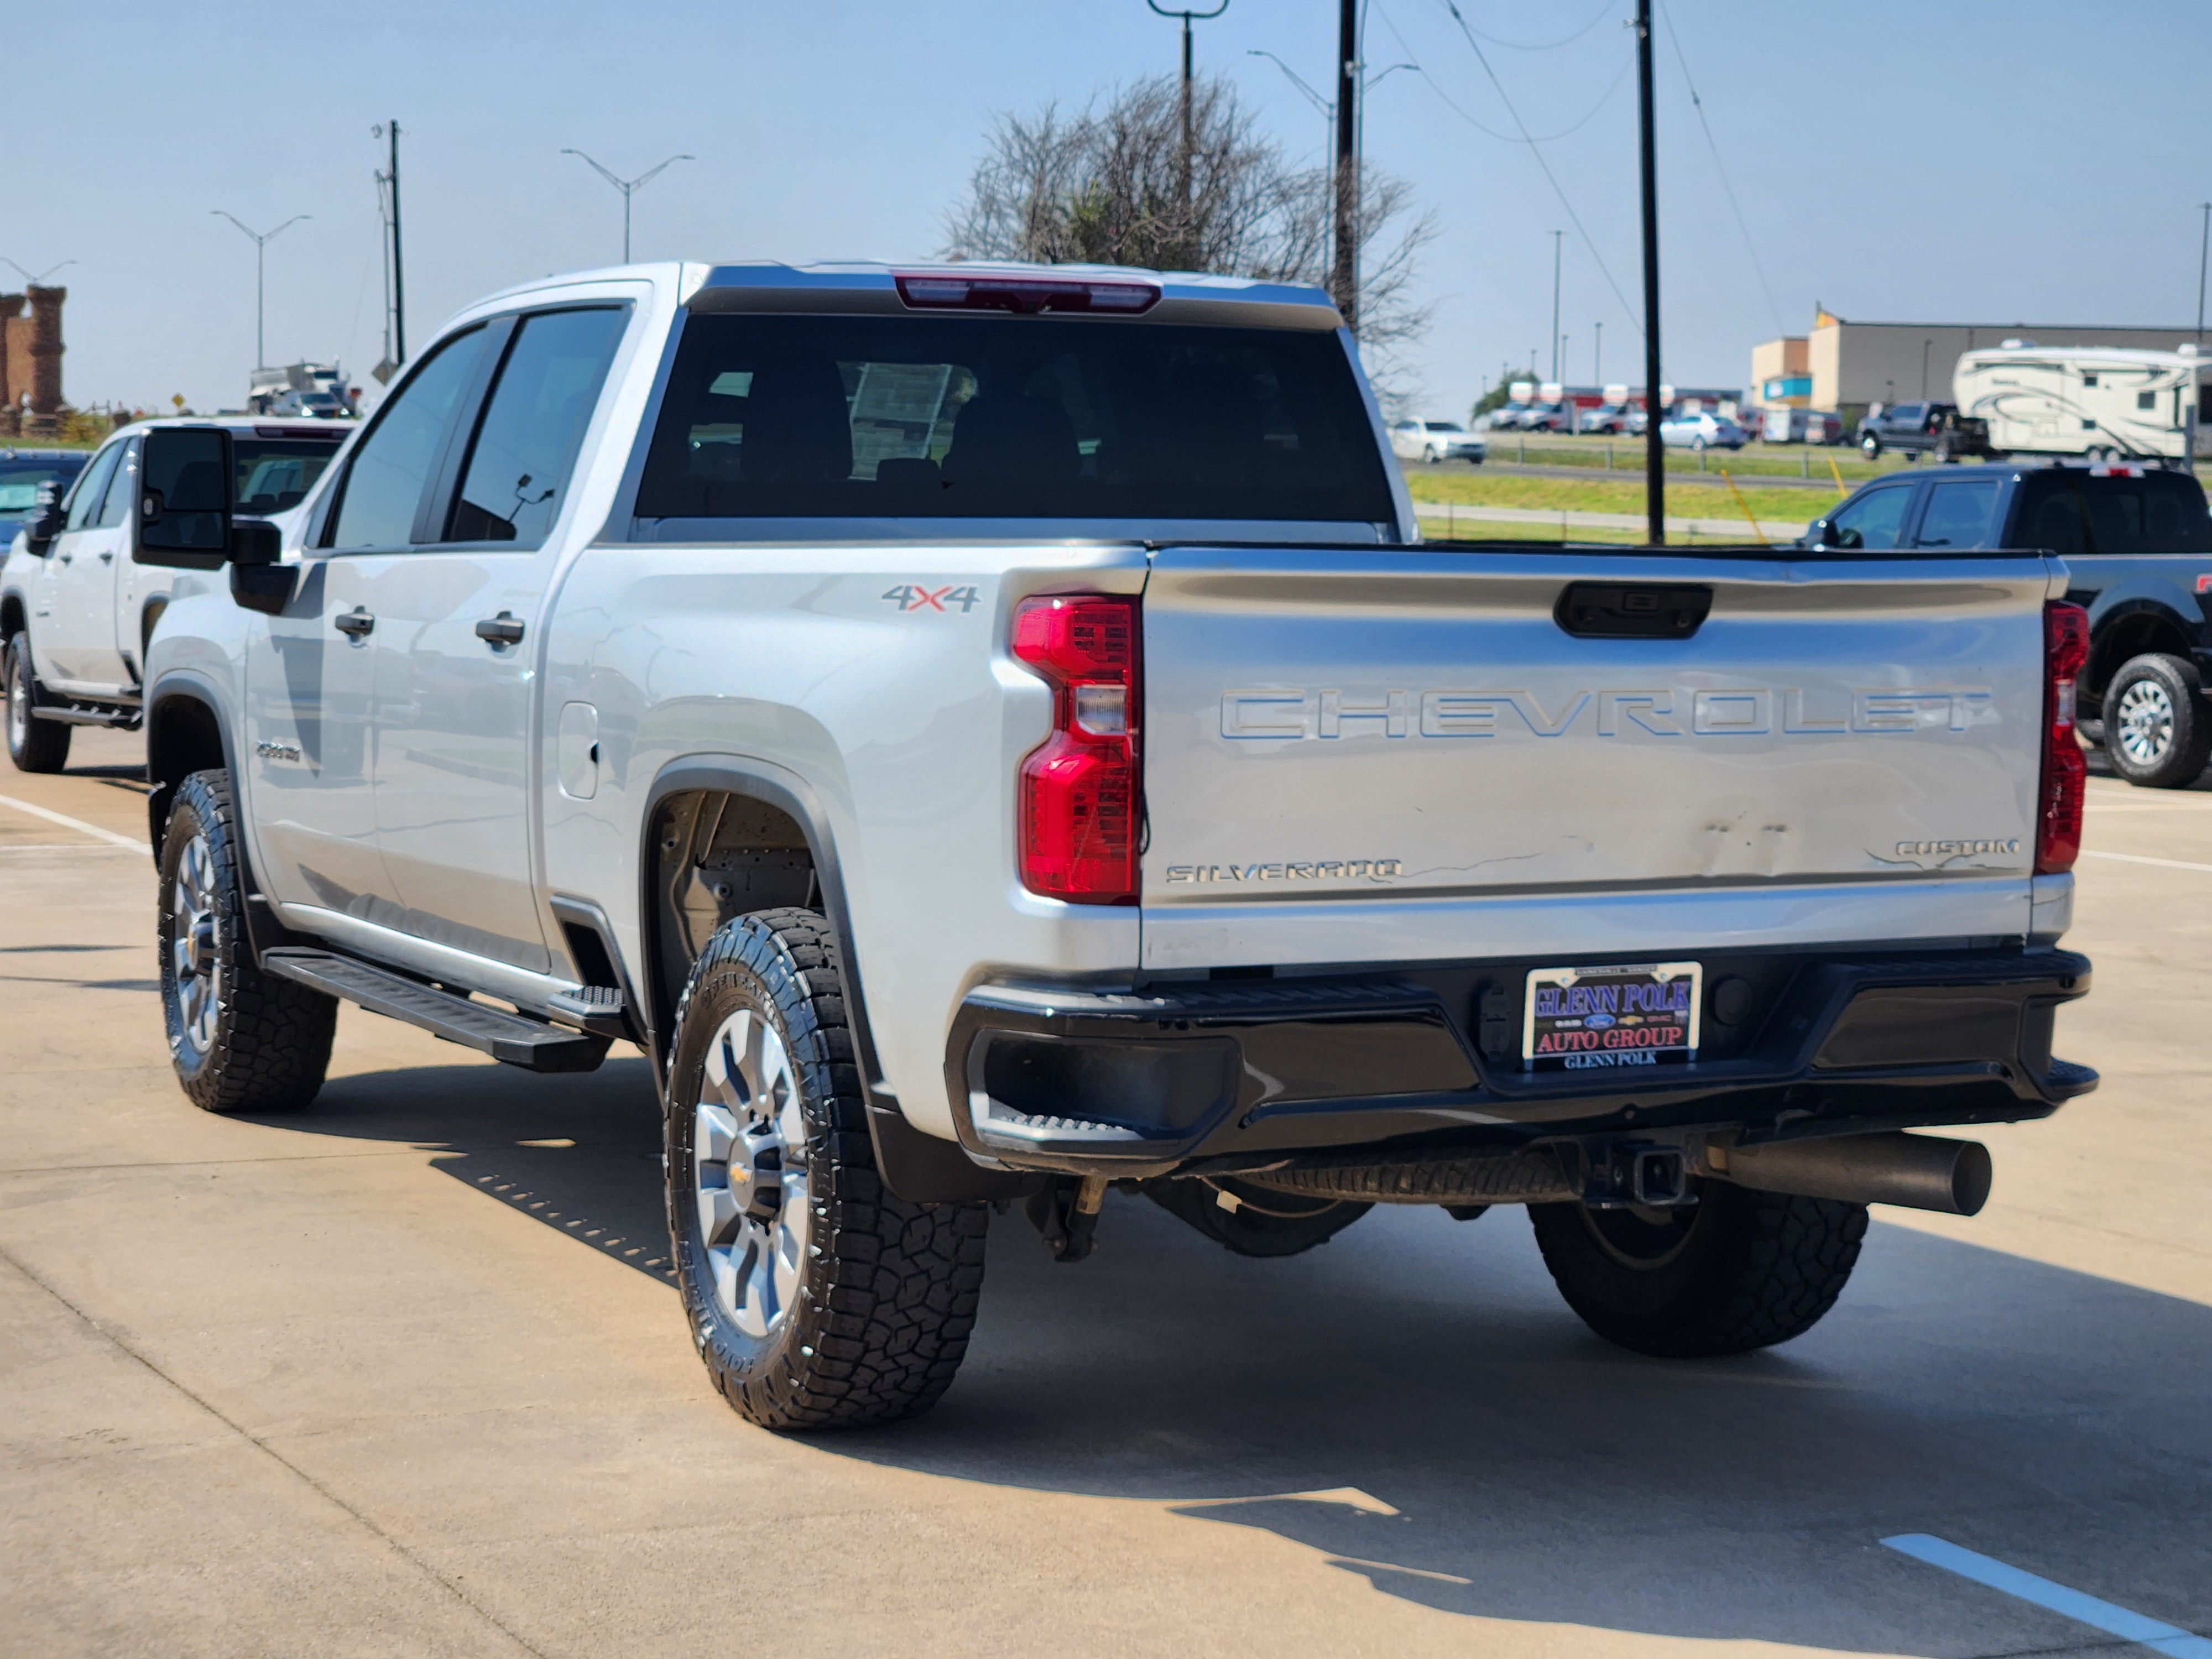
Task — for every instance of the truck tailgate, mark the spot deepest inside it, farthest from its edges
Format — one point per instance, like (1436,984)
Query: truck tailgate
(1379,754)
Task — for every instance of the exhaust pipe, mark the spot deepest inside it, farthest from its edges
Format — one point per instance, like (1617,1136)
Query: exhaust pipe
(1918,1172)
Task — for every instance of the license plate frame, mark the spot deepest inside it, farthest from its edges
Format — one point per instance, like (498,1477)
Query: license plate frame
(1636,1016)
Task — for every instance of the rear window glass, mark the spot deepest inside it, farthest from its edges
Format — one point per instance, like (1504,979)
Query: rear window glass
(986,417)
(2069,511)
(276,473)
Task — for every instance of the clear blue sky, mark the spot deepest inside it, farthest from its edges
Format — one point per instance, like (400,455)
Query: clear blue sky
(1894,159)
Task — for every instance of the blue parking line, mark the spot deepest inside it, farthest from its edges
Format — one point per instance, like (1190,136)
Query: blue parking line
(2085,1609)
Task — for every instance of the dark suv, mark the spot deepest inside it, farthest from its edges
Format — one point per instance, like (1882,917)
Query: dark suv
(2137,542)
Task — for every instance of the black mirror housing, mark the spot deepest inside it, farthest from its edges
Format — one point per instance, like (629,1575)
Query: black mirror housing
(46,520)
(185,481)
(259,579)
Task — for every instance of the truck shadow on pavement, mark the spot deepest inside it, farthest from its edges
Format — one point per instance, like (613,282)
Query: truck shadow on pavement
(1413,1403)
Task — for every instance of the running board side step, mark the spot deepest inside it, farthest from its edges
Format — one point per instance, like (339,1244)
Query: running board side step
(512,1039)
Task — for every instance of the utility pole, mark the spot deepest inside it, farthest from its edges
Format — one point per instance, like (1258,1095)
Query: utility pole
(1597,357)
(2203,247)
(1345,277)
(1189,139)
(1556,238)
(1655,474)
(261,240)
(629,187)
(395,275)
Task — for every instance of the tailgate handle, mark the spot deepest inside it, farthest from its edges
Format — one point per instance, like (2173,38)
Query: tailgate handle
(1631,610)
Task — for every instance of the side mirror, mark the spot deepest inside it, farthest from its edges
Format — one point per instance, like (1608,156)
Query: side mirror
(259,579)
(46,520)
(185,483)
(1827,535)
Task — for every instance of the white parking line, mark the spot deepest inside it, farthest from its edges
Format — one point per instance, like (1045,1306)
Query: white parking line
(2137,858)
(2083,1609)
(77,824)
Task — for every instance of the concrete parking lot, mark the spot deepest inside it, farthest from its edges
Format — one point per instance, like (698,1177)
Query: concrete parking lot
(403,1374)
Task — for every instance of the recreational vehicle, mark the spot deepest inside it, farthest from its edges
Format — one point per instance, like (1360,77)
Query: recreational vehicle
(2101,402)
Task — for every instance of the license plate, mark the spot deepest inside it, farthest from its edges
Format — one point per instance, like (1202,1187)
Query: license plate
(1592,1019)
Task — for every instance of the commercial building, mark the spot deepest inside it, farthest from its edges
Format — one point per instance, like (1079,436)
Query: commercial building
(1846,366)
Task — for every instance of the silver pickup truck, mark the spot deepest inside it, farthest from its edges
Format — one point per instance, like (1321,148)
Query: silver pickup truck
(995,735)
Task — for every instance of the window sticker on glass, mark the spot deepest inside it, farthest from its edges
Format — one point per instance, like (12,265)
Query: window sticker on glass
(1588,1018)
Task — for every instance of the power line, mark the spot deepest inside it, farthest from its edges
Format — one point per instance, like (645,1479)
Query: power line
(1721,167)
(1604,11)
(1475,46)
(1445,98)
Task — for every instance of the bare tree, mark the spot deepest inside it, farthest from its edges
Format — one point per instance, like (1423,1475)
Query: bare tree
(1105,187)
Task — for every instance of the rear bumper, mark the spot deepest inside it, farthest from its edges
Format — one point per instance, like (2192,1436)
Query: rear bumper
(1136,1082)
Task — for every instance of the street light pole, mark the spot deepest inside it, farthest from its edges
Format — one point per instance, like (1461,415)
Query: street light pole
(1556,240)
(261,240)
(1597,358)
(629,187)
(1655,474)
(1344,278)
(2203,247)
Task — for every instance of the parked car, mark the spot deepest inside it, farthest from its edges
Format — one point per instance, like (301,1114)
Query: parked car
(1506,418)
(1549,417)
(76,606)
(1936,430)
(1605,417)
(1802,426)
(1702,430)
(2137,542)
(24,473)
(1436,441)
(1116,834)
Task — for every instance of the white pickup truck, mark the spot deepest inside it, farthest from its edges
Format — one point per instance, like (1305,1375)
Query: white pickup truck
(995,736)
(76,606)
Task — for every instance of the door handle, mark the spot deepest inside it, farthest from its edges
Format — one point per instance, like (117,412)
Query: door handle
(355,623)
(69,558)
(502,630)
(107,558)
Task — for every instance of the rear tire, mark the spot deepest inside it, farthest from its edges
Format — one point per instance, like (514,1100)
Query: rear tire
(241,1040)
(2156,729)
(818,1298)
(1736,1271)
(35,745)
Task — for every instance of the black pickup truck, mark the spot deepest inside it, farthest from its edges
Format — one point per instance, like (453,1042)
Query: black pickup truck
(1936,430)
(2137,542)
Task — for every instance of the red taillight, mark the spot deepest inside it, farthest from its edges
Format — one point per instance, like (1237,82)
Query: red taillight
(987,291)
(1080,809)
(2065,773)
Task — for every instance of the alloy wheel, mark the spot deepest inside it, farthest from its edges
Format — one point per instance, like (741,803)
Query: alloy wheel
(2146,722)
(749,1175)
(19,706)
(195,956)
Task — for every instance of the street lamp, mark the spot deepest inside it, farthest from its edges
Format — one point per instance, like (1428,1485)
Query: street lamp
(629,187)
(38,281)
(261,240)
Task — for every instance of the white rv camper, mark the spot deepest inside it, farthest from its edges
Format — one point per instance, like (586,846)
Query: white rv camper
(2099,401)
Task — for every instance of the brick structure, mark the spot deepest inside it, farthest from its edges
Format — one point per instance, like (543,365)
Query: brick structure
(30,355)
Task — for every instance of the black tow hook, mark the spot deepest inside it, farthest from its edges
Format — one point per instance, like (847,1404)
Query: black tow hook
(1066,1216)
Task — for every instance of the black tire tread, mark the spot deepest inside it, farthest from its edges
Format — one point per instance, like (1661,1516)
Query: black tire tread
(272,1045)
(45,745)
(889,1301)
(2192,721)
(1785,1261)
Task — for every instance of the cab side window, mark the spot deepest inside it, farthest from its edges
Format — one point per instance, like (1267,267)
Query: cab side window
(91,489)
(383,487)
(122,489)
(1873,521)
(518,471)
(1961,514)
